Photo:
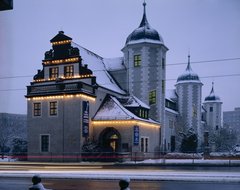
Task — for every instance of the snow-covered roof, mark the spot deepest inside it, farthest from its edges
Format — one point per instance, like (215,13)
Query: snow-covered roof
(97,65)
(212,97)
(188,75)
(171,95)
(112,109)
(144,32)
(133,101)
(171,111)
(114,64)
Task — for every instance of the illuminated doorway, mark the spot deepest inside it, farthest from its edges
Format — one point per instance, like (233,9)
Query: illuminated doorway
(110,140)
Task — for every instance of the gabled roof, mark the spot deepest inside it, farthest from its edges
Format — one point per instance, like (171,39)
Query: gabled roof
(112,109)
(132,101)
(97,65)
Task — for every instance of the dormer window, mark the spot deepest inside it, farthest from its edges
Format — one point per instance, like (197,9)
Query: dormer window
(53,73)
(143,113)
(68,71)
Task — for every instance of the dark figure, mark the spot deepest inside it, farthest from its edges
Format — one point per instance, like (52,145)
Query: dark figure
(124,183)
(37,185)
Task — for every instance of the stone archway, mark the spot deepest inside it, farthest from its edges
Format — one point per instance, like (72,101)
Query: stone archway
(110,140)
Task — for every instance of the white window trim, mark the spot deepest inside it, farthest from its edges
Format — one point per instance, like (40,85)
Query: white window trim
(144,145)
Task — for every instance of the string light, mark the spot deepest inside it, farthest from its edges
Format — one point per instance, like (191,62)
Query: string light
(62,77)
(124,122)
(68,60)
(62,97)
(61,42)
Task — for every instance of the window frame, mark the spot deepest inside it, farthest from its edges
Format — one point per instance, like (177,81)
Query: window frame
(69,71)
(137,60)
(53,111)
(152,97)
(37,111)
(44,148)
(144,144)
(53,72)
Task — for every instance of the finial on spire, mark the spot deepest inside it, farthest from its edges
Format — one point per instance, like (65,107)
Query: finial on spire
(144,7)
(144,3)
(144,22)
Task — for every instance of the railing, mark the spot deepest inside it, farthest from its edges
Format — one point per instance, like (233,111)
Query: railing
(60,87)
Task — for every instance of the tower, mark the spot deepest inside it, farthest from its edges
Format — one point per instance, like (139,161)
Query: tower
(213,107)
(189,91)
(145,60)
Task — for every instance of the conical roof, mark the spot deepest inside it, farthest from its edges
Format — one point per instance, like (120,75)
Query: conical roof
(188,74)
(212,97)
(144,31)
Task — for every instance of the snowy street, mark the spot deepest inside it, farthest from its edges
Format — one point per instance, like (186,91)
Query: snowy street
(111,172)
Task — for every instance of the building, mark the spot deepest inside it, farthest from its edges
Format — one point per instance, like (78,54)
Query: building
(212,106)
(120,103)
(74,100)
(231,119)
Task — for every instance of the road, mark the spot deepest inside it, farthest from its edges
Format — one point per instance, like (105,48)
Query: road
(68,176)
(78,184)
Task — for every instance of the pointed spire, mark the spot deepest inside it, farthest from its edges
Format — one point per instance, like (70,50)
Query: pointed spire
(212,90)
(188,65)
(144,21)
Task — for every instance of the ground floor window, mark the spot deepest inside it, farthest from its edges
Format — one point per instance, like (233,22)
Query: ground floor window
(45,143)
(144,144)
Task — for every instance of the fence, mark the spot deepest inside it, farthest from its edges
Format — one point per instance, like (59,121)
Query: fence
(132,157)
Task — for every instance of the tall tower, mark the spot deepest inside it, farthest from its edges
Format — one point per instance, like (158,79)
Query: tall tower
(189,90)
(145,60)
(213,107)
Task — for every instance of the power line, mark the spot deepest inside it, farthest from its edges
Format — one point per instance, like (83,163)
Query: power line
(206,61)
(173,64)
(204,77)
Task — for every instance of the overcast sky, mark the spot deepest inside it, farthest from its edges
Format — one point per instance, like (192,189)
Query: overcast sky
(208,29)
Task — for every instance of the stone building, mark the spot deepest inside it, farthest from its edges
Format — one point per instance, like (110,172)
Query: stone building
(121,104)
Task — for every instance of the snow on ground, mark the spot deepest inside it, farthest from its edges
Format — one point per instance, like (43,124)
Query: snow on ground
(169,175)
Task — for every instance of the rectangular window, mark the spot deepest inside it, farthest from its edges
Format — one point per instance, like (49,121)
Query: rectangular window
(44,143)
(137,60)
(152,97)
(163,63)
(163,86)
(37,109)
(211,109)
(171,124)
(53,108)
(144,144)
(68,71)
(53,73)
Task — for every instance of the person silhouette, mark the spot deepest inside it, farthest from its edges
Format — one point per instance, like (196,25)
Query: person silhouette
(37,185)
(124,183)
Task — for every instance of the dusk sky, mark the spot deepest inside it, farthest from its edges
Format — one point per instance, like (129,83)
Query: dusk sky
(208,29)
